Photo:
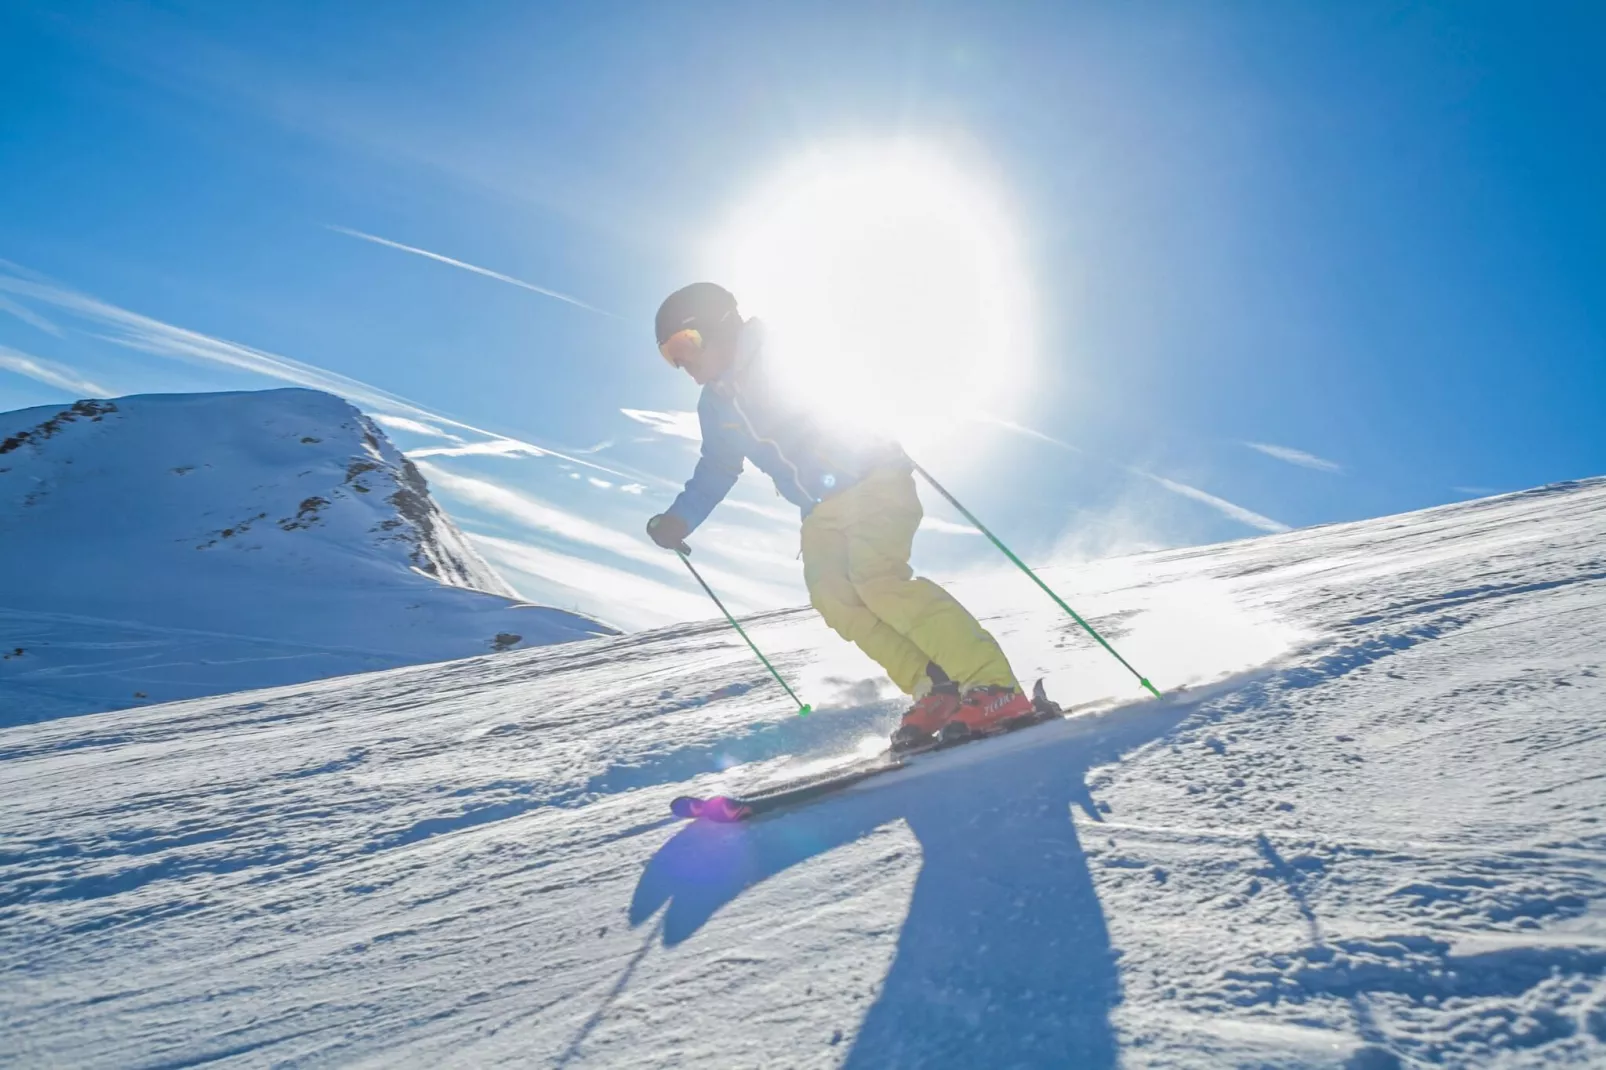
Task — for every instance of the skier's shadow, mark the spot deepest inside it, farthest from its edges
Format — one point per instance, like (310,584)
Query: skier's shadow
(1004,959)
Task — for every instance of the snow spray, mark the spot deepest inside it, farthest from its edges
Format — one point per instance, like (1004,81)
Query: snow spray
(996,541)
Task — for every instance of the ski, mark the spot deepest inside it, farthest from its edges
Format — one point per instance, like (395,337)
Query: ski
(731,808)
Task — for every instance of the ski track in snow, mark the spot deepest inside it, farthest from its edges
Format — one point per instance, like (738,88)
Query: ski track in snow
(1369,836)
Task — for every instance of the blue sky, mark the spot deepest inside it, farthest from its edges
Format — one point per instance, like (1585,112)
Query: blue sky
(1288,264)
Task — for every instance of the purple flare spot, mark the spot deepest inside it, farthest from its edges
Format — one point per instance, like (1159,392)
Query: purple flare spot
(719,808)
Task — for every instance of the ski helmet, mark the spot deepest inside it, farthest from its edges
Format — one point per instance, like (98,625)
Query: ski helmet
(706,307)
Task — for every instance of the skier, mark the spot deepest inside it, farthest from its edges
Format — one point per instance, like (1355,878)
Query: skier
(860,512)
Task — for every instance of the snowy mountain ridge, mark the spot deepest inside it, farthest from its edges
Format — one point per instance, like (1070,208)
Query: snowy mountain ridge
(1368,835)
(146,541)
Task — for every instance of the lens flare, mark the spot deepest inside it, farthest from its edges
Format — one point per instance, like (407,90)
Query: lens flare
(891,285)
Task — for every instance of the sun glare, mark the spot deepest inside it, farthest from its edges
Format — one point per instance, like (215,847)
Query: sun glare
(891,287)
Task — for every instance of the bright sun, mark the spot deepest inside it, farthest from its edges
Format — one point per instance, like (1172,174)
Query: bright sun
(891,287)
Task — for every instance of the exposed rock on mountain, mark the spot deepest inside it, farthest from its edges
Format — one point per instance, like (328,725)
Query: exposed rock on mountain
(186,544)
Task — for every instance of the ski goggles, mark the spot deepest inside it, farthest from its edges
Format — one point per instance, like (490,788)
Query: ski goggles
(681,346)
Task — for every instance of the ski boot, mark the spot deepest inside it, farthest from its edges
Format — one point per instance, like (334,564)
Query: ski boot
(931,711)
(986,710)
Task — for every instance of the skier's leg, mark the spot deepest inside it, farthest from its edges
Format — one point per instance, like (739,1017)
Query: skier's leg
(831,592)
(882,516)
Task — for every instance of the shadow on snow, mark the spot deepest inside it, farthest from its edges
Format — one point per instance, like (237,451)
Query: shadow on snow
(1004,958)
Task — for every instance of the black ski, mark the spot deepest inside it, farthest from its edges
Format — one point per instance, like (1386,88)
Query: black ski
(727,808)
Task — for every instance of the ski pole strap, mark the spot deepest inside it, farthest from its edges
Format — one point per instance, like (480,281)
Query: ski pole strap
(803,708)
(996,541)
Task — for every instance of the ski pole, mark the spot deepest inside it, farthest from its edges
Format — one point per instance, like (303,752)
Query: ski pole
(938,487)
(803,708)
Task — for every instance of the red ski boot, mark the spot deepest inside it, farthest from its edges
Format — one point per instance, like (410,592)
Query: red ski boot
(987,709)
(927,716)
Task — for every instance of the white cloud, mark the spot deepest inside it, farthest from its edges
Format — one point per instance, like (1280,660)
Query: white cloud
(1293,456)
(1221,505)
(417,427)
(619,597)
(775,551)
(538,514)
(29,316)
(674,423)
(476,269)
(146,335)
(745,594)
(785,514)
(51,373)
(946,527)
(496,447)
(595,482)
(633,488)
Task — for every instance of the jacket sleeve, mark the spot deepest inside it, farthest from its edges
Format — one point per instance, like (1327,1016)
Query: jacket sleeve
(717,469)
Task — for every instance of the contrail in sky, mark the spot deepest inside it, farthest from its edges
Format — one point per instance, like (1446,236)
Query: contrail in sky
(1299,457)
(147,335)
(476,269)
(1221,505)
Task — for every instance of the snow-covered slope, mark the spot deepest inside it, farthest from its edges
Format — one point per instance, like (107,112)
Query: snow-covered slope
(167,546)
(1369,836)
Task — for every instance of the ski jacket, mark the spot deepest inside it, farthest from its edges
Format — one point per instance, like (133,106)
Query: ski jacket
(746,415)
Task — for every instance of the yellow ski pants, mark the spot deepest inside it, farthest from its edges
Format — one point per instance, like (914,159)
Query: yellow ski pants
(856,548)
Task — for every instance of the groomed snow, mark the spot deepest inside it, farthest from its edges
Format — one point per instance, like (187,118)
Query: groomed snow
(168,546)
(1368,836)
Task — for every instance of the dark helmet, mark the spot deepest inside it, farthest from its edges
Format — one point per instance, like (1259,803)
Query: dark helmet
(705,306)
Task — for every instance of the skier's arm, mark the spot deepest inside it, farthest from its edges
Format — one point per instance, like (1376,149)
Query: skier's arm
(716,473)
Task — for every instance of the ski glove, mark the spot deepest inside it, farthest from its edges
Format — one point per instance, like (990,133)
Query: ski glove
(669,531)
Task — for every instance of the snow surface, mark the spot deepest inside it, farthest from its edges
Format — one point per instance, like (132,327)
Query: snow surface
(159,547)
(1368,836)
